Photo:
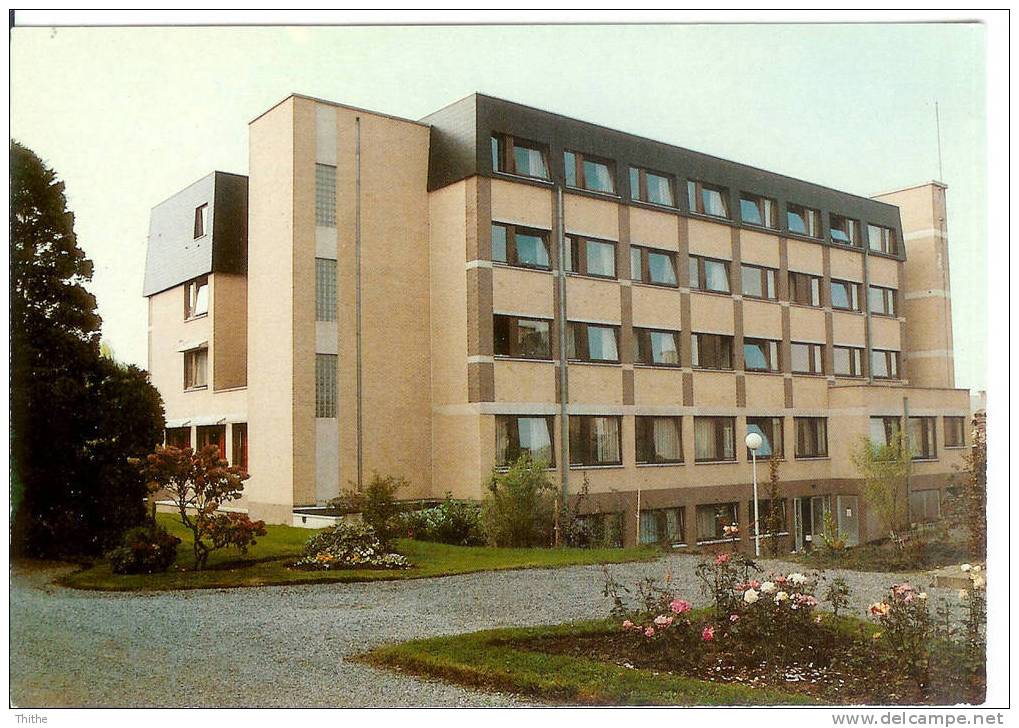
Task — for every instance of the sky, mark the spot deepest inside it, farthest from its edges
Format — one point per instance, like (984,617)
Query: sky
(129,116)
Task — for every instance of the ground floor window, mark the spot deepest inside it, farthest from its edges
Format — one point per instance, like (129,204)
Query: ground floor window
(662,525)
(516,435)
(715,521)
(771,522)
(239,431)
(924,506)
(602,529)
(595,440)
(178,437)
(212,435)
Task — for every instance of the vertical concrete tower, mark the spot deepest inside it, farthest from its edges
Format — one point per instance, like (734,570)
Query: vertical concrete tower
(926,294)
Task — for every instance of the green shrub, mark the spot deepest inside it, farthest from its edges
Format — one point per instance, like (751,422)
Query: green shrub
(348,545)
(376,502)
(519,509)
(144,550)
(453,522)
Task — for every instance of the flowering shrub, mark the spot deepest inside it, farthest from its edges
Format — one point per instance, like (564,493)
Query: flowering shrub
(720,577)
(348,546)
(908,629)
(453,522)
(144,550)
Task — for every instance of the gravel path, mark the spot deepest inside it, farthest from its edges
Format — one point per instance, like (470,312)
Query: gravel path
(285,646)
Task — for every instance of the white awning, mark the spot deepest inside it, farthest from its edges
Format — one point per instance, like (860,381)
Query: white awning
(208,420)
(193,344)
(182,422)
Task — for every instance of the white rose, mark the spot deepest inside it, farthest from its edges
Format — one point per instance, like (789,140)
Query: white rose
(797,578)
(922,596)
(978,582)
(768,587)
(781,597)
(963,595)
(976,568)
(965,567)
(750,596)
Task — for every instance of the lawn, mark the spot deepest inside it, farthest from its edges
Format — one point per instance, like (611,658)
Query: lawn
(500,660)
(268,563)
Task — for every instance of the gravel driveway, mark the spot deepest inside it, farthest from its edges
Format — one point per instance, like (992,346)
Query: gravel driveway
(285,646)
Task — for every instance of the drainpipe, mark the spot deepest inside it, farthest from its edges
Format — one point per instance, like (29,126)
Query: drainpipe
(357,294)
(564,422)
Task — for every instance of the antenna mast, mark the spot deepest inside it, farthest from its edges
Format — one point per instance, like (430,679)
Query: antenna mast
(937,121)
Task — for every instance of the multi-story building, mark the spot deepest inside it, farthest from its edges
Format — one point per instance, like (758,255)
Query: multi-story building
(432,298)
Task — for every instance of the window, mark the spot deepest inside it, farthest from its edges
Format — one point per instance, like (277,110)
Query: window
(325,289)
(517,435)
(592,342)
(712,351)
(659,439)
(845,295)
(764,510)
(923,438)
(760,355)
(758,210)
(201,221)
(924,506)
(803,220)
(179,437)
(770,430)
(662,526)
(844,231)
(884,364)
(848,361)
(708,199)
(955,431)
(714,518)
(196,364)
(647,186)
(882,239)
(325,195)
(239,433)
(604,530)
(595,440)
(325,385)
(882,301)
(196,297)
(657,267)
(212,435)
(884,430)
(806,358)
(590,257)
(811,437)
(714,439)
(525,338)
(518,156)
(589,173)
(520,246)
(707,274)
(656,347)
(757,282)
(804,289)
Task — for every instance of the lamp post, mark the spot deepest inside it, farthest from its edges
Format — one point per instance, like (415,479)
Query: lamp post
(754,441)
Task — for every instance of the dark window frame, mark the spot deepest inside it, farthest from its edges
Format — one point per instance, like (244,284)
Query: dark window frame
(763,508)
(769,426)
(644,351)
(929,431)
(577,331)
(512,257)
(719,534)
(583,435)
(721,423)
(695,198)
(758,201)
(204,437)
(848,225)
(891,358)
(699,285)
(890,426)
(644,440)
(239,441)
(641,193)
(811,217)
(580,175)
(515,450)
(768,280)
(853,292)
(888,239)
(772,353)
(506,161)
(723,340)
(856,354)
(805,289)
(577,256)
(660,517)
(191,368)
(645,254)
(191,291)
(815,357)
(889,301)
(179,437)
(201,220)
(513,342)
(953,441)
(820,427)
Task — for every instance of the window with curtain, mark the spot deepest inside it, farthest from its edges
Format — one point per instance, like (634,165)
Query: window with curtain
(325,385)
(662,526)
(714,439)
(589,173)
(179,437)
(239,434)
(806,358)
(758,282)
(770,430)
(811,437)
(196,365)
(589,257)
(712,519)
(512,155)
(604,530)
(884,364)
(657,267)
(708,274)
(881,301)
(325,289)
(883,430)
(707,199)
(520,246)
(848,361)
(804,289)
(524,338)
(658,439)
(196,297)
(758,210)
(516,435)
(882,239)
(656,347)
(592,342)
(647,186)
(844,231)
(325,195)
(955,431)
(923,438)
(760,355)
(595,440)
(711,351)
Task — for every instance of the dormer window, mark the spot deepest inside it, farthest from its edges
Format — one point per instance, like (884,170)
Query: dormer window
(201,221)
(511,155)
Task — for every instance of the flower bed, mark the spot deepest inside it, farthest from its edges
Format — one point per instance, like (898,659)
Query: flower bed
(348,546)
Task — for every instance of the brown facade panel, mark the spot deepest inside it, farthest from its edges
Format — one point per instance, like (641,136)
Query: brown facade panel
(788,393)
(686,321)
(688,389)
(480,382)
(741,390)
(628,387)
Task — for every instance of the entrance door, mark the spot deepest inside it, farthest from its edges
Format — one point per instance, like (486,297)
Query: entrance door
(849,518)
(819,506)
(808,514)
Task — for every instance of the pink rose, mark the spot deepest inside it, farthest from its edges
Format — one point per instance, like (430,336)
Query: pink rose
(680,606)
(649,632)
(708,633)
(733,618)
(755,584)
(722,559)
(627,624)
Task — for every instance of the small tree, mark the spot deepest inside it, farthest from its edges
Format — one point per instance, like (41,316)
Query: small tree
(199,483)
(967,507)
(376,502)
(774,519)
(885,471)
(519,509)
